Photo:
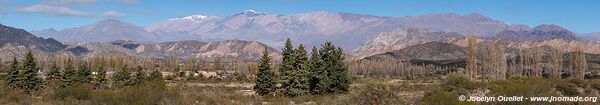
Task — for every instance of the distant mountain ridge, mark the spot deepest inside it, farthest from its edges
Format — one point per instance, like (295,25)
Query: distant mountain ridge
(229,49)
(14,36)
(311,29)
(105,30)
(541,32)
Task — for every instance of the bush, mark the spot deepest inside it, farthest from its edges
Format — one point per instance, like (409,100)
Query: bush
(375,93)
(79,92)
(595,85)
(567,89)
(577,82)
(458,84)
(12,95)
(151,93)
(527,86)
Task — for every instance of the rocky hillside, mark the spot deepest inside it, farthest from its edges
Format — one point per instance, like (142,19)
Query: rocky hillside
(541,32)
(427,51)
(15,36)
(229,49)
(400,38)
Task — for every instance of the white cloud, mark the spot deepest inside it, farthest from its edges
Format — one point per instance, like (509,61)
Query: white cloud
(73,1)
(90,1)
(125,1)
(113,14)
(54,10)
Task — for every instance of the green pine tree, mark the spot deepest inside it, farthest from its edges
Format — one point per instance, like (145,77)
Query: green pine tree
(139,77)
(317,74)
(265,78)
(122,78)
(287,69)
(69,73)
(341,74)
(84,73)
(327,54)
(31,81)
(337,80)
(100,78)
(299,82)
(12,77)
(54,73)
(155,75)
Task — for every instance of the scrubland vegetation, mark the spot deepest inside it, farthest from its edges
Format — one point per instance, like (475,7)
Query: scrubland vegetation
(321,77)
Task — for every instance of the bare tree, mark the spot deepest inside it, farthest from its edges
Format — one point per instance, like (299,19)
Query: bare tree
(471,58)
(578,61)
(555,63)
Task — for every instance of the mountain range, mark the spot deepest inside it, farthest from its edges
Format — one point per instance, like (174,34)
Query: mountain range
(14,36)
(312,28)
(362,36)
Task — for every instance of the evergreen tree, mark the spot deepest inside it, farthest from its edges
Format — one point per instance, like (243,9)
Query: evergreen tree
(31,81)
(54,73)
(12,77)
(122,77)
(287,69)
(155,75)
(335,69)
(341,82)
(100,77)
(298,83)
(69,73)
(139,77)
(317,74)
(84,73)
(265,78)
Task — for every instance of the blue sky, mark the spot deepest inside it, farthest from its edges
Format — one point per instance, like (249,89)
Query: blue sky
(577,15)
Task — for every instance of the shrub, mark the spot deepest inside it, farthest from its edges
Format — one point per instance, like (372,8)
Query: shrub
(375,93)
(151,93)
(577,81)
(527,86)
(79,92)
(595,85)
(458,84)
(13,95)
(567,89)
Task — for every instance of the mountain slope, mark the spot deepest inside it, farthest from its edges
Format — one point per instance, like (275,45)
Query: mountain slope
(15,36)
(313,28)
(427,51)
(105,30)
(229,49)
(400,38)
(541,32)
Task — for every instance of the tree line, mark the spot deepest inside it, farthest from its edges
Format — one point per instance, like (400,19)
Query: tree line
(492,63)
(323,73)
(26,75)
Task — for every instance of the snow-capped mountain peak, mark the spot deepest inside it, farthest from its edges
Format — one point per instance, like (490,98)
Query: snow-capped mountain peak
(192,18)
(252,12)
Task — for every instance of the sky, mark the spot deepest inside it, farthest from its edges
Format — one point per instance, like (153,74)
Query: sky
(576,15)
